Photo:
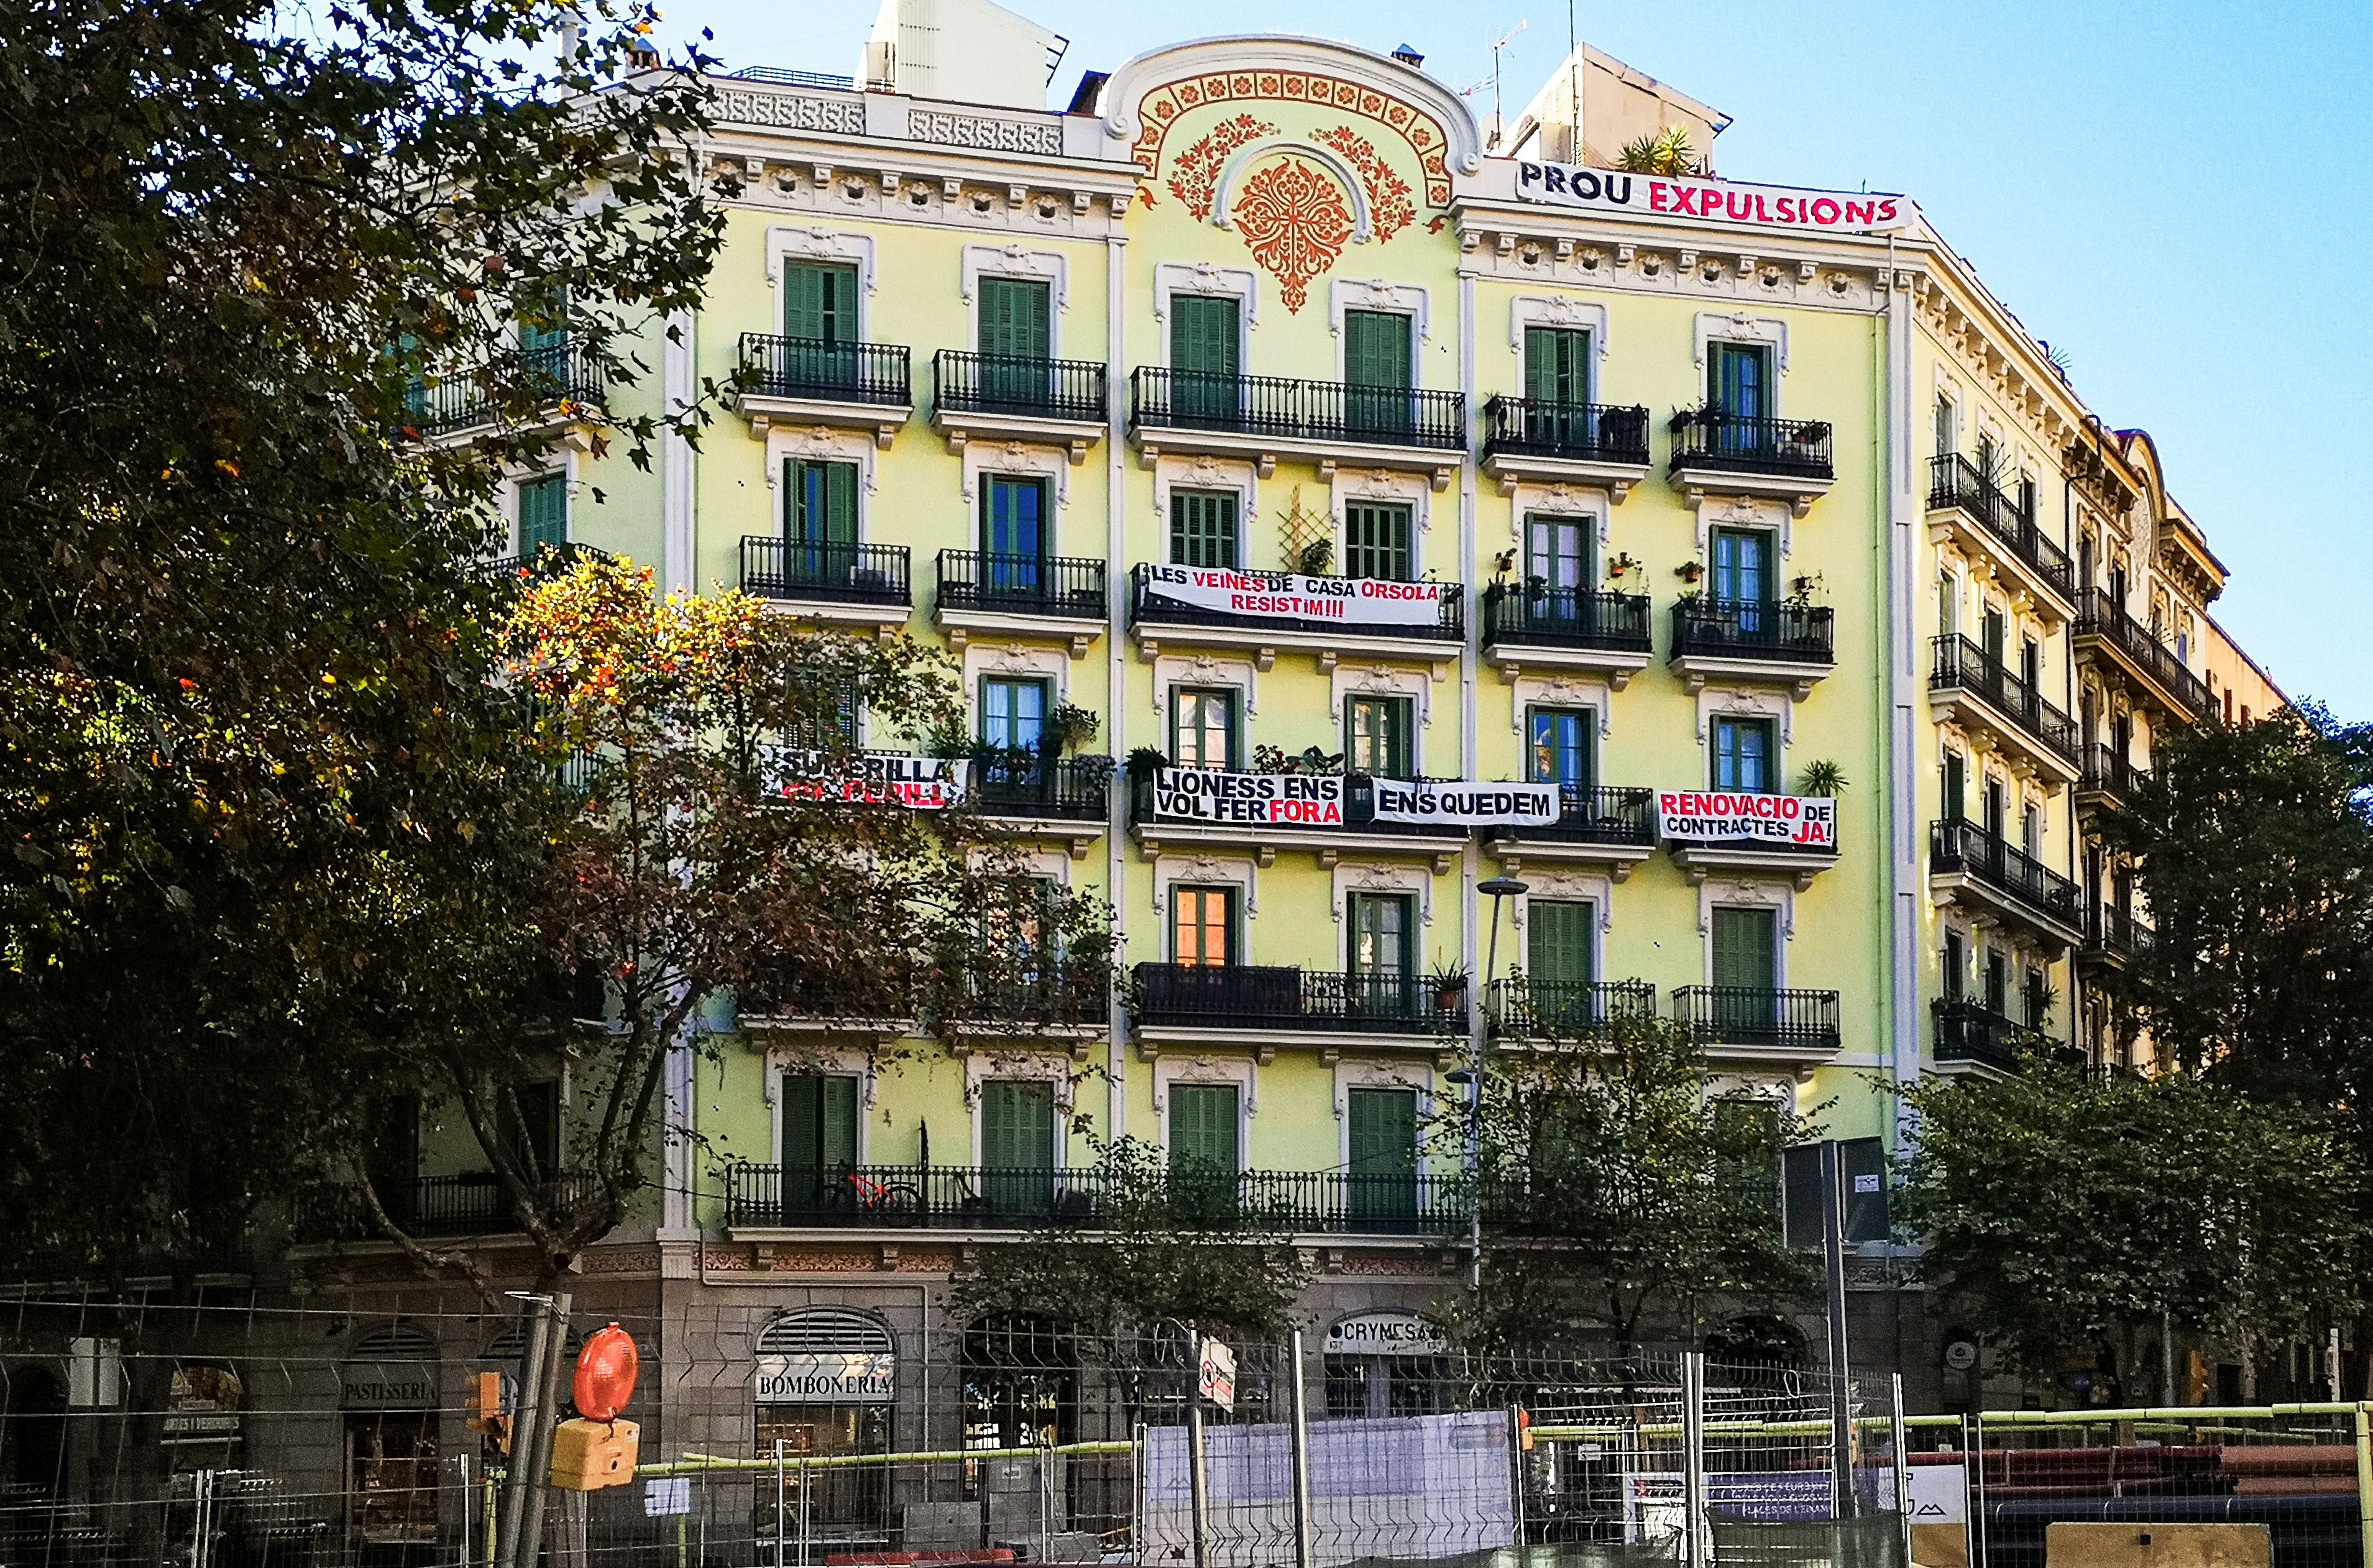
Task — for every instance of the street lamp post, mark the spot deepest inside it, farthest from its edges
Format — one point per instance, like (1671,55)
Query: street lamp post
(1499,887)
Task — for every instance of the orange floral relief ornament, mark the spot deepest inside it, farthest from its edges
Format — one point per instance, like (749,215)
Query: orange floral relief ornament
(1295,221)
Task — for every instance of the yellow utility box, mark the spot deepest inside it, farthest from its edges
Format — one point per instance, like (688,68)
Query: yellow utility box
(589,1455)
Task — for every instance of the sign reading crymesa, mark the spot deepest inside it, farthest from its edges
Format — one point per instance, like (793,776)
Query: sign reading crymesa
(1715,816)
(1714,201)
(1289,596)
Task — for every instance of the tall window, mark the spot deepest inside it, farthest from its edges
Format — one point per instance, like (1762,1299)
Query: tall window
(1556,554)
(819,1121)
(534,1137)
(1017,1145)
(1376,736)
(1016,335)
(1013,527)
(1738,380)
(2030,832)
(1564,746)
(1384,949)
(1203,1128)
(1381,1143)
(1202,926)
(1376,371)
(1992,631)
(1997,982)
(1996,808)
(1742,567)
(1203,727)
(1203,369)
(1956,791)
(1947,437)
(1560,957)
(1954,962)
(1557,365)
(1203,529)
(1745,950)
(820,303)
(542,514)
(819,503)
(1949,605)
(1377,541)
(1013,723)
(1744,755)
(2038,999)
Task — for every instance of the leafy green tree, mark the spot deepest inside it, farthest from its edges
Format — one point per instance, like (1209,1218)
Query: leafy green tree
(245,654)
(2081,1214)
(1619,1194)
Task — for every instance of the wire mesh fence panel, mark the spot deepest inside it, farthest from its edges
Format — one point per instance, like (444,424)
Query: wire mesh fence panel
(2291,1472)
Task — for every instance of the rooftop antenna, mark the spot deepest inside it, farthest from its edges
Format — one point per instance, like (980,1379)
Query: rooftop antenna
(1573,87)
(1499,122)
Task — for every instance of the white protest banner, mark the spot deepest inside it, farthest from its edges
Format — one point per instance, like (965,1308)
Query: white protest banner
(1716,816)
(1289,596)
(1712,201)
(880,778)
(1187,794)
(1465,804)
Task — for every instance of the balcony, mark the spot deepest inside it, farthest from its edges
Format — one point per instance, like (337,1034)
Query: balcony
(1064,799)
(470,1203)
(1968,507)
(1969,1034)
(566,382)
(1025,596)
(1359,833)
(999,397)
(2107,635)
(803,381)
(1267,1005)
(1967,865)
(2114,940)
(1746,1023)
(1750,639)
(1969,687)
(1719,453)
(855,585)
(1326,423)
(549,561)
(1530,1012)
(2109,780)
(1528,626)
(1430,636)
(959,1198)
(1602,825)
(1566,443)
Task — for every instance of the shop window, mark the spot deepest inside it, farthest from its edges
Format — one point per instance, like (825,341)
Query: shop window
(825,1385)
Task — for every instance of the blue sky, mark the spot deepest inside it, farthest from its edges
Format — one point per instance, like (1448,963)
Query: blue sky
(2174,194)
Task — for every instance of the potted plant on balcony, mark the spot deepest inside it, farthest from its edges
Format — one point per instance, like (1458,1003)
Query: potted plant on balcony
(1690,571)
(1316,558)
(1823,778)
(1804,590)
(1620,565)
(1066,729)
(1448,983)
(1144,762)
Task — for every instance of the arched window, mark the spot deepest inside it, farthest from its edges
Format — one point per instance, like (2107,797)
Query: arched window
(824,1382)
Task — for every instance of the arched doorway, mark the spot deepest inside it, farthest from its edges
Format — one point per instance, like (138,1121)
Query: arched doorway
(824,1383)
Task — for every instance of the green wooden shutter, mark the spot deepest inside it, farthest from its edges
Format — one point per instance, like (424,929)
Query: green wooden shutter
(1557,365)
(1203,1127)
(1203,334)
(1202,528)
(1376,349)
(1743,955)
(544,514)
(1017,1125)
(1015,318)
(821,507)
(1376,542)
(1383,1148)
(819,1122)
(820,303)
(1557,941)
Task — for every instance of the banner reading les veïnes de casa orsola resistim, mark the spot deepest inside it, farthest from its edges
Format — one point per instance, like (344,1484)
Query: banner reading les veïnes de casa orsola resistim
(1717,816)
(1291,596)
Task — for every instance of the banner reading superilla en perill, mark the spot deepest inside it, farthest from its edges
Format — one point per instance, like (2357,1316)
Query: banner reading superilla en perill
(880,778)
(1289,596)
(1715,816)
(1712,201)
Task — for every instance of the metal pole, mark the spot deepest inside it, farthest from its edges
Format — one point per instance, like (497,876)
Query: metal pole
(1199,1479)
(1137,1493)
(1976,1529)
(1899,1437)
(1694,1524)
(524,1420)
(781,1500)
(1301,1449)
(805,1524)
(1516,1475)
(2365,1481)
(1833,1245)
(538,1468)
(462,1463)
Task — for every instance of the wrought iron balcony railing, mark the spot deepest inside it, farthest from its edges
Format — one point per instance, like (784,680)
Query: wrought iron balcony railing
(1967,848)
(1971,1031)
(1296,410)
(958,1197)
(1029,784)
(1525,614)
(2101,616)
(1261,996)
(1022,585)
(2118,933)
(1752,1017)
(1535,1010)
(559,375)
(1599,814)
(545,560)
(1963,665)
(1021,387)
(1753,628)
(1956,483)
(812,369)
(2108,773)
(1149,608)
(853,574)
(1711,439)
(471,1201)
(1587,432)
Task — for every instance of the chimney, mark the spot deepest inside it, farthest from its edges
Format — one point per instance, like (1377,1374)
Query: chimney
(1410,57)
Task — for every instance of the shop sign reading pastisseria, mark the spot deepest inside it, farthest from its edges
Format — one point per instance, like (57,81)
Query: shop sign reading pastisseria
(1289,596)
(1715,816)
(1712,201)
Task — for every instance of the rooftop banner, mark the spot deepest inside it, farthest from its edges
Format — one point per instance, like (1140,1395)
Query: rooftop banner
(1465,804)
(1289,596)
(1293,800)
(1714,816)
(879,778)
(1711,201)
